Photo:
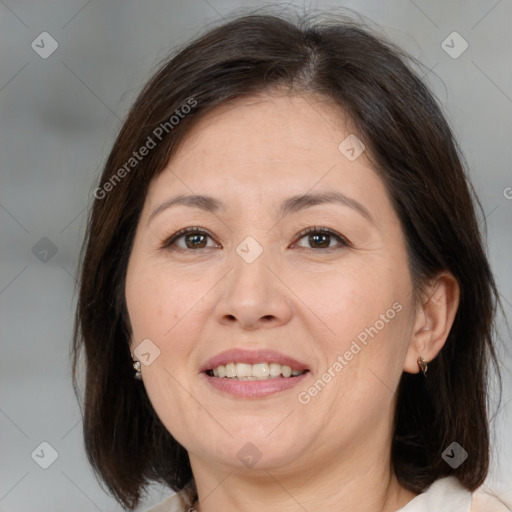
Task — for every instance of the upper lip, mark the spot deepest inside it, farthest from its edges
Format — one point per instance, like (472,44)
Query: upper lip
(239,355)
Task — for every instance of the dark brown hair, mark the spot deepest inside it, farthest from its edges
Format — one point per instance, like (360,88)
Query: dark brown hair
(410,145)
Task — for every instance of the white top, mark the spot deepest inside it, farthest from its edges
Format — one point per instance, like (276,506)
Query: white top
(445,494)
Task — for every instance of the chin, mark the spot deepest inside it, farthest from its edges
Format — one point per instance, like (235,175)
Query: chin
(255,450)
(251,457)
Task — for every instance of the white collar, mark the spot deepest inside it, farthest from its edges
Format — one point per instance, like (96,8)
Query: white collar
(446,494)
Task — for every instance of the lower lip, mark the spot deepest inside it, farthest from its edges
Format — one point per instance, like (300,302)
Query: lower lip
(254,388)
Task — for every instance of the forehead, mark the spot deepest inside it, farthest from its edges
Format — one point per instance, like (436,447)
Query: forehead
(266,144)
(268,126)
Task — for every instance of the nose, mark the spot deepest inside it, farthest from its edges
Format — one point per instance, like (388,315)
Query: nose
(254,295)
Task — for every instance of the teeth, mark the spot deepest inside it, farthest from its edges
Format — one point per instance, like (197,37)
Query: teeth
(243,370)
(231,370)
(258,371)
(275,369)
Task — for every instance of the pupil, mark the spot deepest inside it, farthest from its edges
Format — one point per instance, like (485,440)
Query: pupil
(319,235)
(315,238)
(195,238)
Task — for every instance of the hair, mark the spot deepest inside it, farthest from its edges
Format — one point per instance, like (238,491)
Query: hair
(413,150)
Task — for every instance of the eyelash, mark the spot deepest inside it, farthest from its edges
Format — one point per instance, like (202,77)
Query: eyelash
(167,243)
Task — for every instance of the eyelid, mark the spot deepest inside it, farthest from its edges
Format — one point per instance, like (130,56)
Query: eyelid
(167,241)
(343,241)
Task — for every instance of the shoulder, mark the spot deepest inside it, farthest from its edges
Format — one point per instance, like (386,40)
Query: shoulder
(448,494)
(179,502)
(485,500)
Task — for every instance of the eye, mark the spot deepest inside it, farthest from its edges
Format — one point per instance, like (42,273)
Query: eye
(320,238)
(194,238)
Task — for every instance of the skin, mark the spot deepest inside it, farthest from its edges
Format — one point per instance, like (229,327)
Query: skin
(297,297)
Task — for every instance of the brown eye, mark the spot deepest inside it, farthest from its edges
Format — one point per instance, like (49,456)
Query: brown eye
(193,238)
(196,240)
(321,238)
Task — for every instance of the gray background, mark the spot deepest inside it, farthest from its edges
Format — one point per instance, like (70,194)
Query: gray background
(59,116)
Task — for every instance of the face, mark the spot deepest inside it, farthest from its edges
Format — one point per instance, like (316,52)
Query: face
(317,288)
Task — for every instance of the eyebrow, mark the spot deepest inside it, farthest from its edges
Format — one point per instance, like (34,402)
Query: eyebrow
(291,205)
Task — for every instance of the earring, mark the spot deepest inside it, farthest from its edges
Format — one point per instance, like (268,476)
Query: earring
(138,373)
(423,365)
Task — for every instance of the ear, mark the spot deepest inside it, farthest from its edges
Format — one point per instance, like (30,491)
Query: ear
(434,319)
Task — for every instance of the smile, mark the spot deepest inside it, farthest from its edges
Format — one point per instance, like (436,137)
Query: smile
(257,371)
(252,374)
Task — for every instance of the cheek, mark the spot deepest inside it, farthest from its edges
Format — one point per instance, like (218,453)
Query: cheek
(144,304)
(348,302)
(170,312)
(161,309)
(157,303)
(365,315)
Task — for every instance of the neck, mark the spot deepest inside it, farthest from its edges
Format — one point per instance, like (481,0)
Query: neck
(355,485)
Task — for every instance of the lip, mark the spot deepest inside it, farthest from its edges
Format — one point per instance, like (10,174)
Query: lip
(253,388)
(237,355)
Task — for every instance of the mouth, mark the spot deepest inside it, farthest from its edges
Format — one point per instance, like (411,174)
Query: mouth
(257,371)
(253,374)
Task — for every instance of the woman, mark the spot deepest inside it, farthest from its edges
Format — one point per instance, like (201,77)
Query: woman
(284,247)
